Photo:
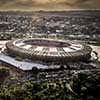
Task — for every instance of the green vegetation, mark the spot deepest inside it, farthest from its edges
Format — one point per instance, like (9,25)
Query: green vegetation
(13,92)
(4,72)
(84,86)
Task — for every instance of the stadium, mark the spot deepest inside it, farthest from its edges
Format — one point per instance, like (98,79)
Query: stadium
(49,50)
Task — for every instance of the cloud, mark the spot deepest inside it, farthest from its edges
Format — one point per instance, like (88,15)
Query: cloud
(49,4)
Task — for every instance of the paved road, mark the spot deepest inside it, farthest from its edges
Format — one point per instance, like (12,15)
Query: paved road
(21,64)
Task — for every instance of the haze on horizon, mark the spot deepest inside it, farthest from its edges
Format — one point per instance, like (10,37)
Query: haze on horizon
(48,4)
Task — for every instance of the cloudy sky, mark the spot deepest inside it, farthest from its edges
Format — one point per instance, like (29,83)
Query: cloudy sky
(48,4)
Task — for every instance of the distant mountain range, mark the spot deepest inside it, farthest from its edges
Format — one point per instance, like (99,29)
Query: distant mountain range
(48,4)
